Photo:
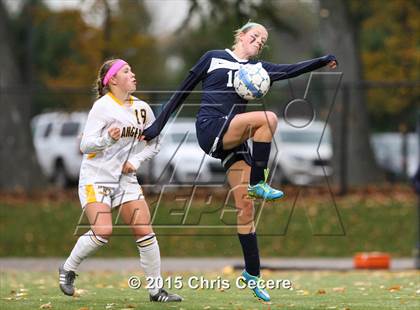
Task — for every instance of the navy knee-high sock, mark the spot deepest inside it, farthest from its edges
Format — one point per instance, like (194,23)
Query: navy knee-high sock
(260,156)
(251,255)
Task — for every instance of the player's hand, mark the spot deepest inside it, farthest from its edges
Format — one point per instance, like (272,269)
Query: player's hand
(141,138)
(114,133)
(128,168)
(332,64)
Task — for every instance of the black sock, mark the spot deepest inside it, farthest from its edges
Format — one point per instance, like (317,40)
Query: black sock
(251,255)
(260,156)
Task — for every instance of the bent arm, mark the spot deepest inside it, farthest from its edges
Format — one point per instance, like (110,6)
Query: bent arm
(94,139)
(150,150)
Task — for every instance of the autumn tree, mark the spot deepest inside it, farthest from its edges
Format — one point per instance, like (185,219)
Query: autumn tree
(18,164)
(50,59)
(389,44)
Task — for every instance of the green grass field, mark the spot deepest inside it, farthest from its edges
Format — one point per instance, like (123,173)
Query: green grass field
(311,290)
(304,225)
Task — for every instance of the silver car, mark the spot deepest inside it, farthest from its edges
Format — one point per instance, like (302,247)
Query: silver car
(299,155)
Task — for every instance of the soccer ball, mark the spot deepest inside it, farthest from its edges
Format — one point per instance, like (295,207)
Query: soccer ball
(251,81)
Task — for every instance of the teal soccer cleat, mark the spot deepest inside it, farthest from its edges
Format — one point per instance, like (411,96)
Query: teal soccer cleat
(263,190)
(252,282)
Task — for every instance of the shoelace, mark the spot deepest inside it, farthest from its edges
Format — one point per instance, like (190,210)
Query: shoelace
(266,173)
(70,276)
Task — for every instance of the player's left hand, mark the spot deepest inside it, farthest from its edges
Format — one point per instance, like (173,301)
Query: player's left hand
(332,64)
(128,168)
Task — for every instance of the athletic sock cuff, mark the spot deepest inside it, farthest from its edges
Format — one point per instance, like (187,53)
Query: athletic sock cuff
(146,240)
(97,239)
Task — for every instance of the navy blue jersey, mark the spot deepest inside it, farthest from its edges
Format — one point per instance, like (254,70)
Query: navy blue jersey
(216,70)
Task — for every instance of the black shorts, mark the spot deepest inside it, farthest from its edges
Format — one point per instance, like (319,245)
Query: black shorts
(210,132)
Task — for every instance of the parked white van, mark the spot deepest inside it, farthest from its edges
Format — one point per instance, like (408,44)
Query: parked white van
(56,139)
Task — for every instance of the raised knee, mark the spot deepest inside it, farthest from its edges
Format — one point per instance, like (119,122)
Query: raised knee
(272,120)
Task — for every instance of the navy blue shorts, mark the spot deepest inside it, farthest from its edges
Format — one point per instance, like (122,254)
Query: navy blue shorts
(210,132)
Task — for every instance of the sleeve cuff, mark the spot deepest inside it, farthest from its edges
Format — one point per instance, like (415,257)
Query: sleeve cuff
(109,140)
(134,162)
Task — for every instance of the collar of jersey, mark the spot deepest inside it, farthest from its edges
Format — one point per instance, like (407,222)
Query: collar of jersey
(234,56)
(118,100)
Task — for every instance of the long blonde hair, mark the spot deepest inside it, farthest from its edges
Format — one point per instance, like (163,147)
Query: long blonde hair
(244,29)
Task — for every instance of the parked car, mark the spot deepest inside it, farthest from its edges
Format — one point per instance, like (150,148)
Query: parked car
(297,154)
(57,135)
(181,160)
(56,139)
(387,148)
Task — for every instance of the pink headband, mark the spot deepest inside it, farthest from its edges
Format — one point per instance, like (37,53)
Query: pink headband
(116,66)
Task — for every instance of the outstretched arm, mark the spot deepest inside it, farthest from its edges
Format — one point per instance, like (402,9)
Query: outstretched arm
(196,74)
(174,102)
(282,72)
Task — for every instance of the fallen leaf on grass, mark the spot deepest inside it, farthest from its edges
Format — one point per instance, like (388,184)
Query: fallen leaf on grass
(394,288)
(78,292)
(227,270)
(339,289)
(321,292)
(46,306)
(360,283)
(84,308)
(302,292)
